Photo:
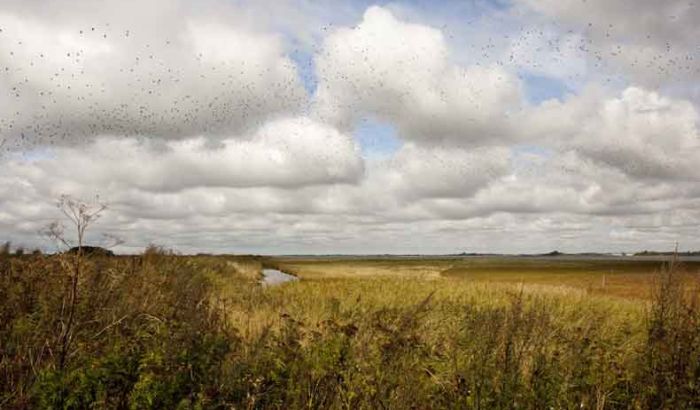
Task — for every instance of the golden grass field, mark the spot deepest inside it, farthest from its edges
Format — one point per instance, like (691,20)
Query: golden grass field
(161,330)
(613,277)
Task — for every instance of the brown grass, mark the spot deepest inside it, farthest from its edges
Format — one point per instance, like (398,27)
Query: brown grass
(620,278)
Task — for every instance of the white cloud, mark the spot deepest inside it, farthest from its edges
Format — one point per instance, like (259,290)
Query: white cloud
(654,42)
(639,132)
(212,143)
(196,76)
(419,172)
(401,72)
(287,153)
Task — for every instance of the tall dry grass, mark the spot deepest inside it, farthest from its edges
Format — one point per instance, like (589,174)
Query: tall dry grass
(160,330)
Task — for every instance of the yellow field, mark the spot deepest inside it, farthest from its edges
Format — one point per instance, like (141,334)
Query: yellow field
(624,278)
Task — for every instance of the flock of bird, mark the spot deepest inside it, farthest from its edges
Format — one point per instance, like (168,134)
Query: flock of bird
(163,87)
(57,96)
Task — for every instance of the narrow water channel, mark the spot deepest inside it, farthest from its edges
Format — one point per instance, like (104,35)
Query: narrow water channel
(272,277)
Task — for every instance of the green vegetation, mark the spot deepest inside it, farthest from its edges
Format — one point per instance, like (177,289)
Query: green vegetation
(165,331)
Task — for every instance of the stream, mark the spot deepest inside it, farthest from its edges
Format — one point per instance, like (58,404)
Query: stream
(272,277)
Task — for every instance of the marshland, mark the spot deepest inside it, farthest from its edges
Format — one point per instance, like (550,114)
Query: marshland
(349,204)
(162,330)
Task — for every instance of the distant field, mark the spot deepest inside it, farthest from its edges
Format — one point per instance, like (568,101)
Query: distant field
(628,277)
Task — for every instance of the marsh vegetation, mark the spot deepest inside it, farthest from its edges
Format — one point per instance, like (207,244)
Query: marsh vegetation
(159,330)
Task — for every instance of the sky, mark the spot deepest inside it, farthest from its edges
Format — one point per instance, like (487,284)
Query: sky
(354,127)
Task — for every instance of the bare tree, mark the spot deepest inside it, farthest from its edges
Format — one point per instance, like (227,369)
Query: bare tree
(80,215)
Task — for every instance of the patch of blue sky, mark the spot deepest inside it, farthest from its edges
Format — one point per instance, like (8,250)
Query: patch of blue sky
(534,150)
(35,154)
(540,88)
(377,139)
(529,158)
(306,68)
(613,81)
(455,8)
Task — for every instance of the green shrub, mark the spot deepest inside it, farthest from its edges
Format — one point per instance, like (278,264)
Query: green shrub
(166,331)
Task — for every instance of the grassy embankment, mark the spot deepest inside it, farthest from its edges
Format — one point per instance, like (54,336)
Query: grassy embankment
(166,331)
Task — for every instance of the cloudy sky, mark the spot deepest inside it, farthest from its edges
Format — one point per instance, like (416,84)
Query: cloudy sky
(273,126)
